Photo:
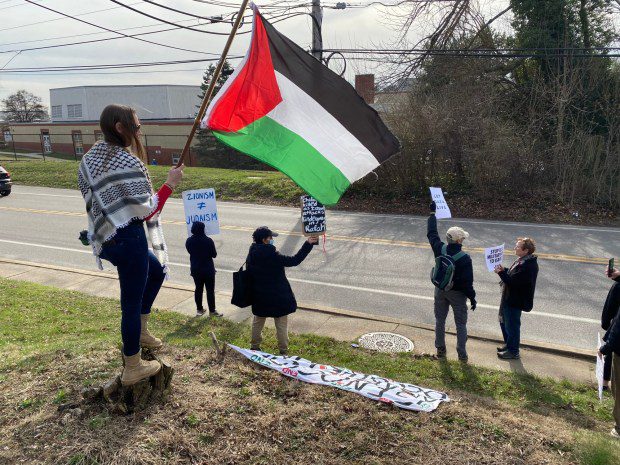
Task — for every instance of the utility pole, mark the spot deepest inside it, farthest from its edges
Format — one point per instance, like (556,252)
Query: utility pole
(317,23)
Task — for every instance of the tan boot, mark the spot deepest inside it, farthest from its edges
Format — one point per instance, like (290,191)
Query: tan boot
(137,369)
(147,339)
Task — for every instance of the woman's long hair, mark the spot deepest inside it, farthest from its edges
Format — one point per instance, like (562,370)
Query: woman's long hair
(125,115)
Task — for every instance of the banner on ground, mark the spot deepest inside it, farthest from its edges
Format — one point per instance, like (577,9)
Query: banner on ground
(494,256)
(403,395)
(443,211)
(199,205)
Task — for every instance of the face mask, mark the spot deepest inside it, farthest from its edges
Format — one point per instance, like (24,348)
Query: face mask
(271,241)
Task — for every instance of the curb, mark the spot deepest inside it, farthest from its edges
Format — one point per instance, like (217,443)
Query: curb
(556,349)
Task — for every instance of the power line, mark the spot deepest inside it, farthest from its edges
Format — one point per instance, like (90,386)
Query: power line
(59,19)
(183,12)
(112,30)
(468,54)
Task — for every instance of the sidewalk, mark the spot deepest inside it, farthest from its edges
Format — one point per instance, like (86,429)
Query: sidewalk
(536,358)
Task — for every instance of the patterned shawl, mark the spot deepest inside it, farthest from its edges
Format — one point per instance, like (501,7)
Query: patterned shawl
(117,189)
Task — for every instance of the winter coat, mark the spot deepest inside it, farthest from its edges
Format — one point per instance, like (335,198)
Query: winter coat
(271,292)
(520,284)
(610,321)
(463,269)
(201,249)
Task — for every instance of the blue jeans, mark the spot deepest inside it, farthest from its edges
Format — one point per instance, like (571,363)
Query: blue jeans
(511,327)
(140,275)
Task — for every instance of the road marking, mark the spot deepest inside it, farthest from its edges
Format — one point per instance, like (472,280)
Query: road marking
(242,206)
(334,285)
(340,238)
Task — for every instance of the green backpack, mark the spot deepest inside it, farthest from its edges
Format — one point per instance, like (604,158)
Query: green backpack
(442,274)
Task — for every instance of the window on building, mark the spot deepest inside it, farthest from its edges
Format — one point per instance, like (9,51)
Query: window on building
(56,111)
(98,135)
(74,111)
(78,146)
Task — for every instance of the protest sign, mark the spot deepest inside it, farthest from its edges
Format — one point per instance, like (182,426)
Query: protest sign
(312,216)
(199,205)
(403,395)
(443,211)
(600,369)
(494,256)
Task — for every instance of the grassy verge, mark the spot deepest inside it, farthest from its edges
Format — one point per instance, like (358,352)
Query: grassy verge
(249,186)
(55,342)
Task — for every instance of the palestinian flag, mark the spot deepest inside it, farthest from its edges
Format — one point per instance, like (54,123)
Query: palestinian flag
(285,108)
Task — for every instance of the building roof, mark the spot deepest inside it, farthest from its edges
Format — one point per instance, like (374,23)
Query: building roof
(127,85)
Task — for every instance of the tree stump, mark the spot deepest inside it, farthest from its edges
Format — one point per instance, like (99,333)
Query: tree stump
(127,399)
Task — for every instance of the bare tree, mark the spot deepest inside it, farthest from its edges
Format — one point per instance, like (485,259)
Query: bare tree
(24,107)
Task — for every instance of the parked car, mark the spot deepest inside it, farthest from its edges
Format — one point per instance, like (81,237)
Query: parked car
(5,182)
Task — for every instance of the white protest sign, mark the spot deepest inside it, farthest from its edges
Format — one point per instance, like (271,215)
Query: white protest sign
(403,395)
(600,370)
(494,256)
(199,205)
(443,211)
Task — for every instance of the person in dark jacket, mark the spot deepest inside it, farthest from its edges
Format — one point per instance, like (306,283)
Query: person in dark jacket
(610,311)
(201,249)
(462,289)
(518,286)
(272,296)
(611,348)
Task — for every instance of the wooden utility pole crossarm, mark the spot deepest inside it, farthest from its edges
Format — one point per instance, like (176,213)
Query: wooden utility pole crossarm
(214,78)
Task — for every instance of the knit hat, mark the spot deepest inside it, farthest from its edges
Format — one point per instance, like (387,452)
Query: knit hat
(456,234)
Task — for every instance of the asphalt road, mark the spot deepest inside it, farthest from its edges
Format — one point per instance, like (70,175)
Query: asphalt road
(377,264)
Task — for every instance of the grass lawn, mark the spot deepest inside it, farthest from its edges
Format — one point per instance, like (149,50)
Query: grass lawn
(249,186)
(53,343)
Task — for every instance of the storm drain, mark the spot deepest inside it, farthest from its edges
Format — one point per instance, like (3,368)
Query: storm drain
(386,342)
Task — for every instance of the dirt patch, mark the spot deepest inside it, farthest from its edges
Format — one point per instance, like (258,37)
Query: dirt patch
(240,413)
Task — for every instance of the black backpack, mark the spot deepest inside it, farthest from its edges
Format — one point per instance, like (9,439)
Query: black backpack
(242,288)
(442,274)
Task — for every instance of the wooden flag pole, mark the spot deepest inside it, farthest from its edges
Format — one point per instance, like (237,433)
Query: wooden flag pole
(216,75)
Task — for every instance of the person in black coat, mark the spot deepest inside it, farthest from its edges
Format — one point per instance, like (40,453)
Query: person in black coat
(610,310)
(272,296)
(518,286)
(201,249)
(611,348)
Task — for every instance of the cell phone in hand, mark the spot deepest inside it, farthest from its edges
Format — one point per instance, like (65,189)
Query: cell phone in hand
(610,267)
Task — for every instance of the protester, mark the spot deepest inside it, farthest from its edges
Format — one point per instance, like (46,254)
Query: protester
(272,296)
(610,311)
(119,199)
(461,289)
(518,286)
(611,348)
(201,249)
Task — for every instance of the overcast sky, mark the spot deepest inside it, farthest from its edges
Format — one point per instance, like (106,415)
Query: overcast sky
(349,28)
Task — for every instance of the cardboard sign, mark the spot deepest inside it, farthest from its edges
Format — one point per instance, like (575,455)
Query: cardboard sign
(403,395)
(312,216)
(443,211)
(600,369)
(494,256)
(199,205)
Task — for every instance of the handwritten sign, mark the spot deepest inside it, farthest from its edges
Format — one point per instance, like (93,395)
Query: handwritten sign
(199,205)
(443,211)
(402,395)
(600,370)
(312,216)
(494,256)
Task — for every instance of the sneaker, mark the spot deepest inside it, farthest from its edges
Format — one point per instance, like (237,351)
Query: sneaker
(507,355)
(284,353)
(614,433)
(216,313)
(200,312)
(463,358)
(502,349)
(441,352)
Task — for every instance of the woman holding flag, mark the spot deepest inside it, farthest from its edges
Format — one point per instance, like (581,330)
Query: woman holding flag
(119,197)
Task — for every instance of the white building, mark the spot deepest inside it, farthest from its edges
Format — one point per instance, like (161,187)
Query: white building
(151,102)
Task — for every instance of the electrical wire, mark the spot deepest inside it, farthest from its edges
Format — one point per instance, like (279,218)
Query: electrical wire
(112,30)
(182,12)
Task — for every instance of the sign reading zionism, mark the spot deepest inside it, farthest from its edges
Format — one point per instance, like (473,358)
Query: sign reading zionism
(403,395)
(285,108)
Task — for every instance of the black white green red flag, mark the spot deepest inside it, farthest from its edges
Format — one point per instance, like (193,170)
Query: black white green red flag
(285,108)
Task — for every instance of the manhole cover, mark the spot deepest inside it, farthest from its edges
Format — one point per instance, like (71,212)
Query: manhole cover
(386,342)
